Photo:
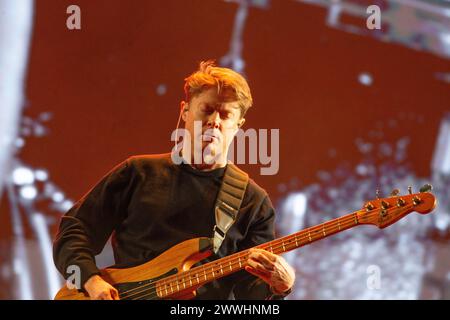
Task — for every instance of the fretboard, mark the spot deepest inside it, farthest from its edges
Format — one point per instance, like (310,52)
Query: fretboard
(210,271)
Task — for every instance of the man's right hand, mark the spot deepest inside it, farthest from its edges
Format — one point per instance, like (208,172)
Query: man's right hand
(99,289)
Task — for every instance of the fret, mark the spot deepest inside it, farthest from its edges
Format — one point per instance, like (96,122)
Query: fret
(226,267)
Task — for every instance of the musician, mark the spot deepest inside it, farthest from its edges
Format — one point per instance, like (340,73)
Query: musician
(149,203)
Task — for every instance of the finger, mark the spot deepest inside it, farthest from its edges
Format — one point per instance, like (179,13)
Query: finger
(256,250)
(100,296)
(258,266)
(269,256)
(266,261)
(115,294)
(267,253)
(257,273)
(106,296)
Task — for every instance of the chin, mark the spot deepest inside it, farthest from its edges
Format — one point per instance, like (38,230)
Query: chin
(212,150)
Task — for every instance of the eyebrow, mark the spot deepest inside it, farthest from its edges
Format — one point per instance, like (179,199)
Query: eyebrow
(206,104)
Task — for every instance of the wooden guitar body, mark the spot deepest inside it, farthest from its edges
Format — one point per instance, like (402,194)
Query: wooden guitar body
(129,281)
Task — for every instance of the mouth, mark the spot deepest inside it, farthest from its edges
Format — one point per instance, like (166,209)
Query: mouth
(210,138)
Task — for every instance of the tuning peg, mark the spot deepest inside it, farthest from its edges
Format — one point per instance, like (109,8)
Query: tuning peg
(400,202)
(378,193)
(395,192)
(426,187)
(369,206)
(416,200)
(410,189)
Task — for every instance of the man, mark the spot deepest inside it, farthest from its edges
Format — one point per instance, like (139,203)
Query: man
(150,203)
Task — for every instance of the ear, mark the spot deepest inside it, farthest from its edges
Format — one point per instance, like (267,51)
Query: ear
(184,107)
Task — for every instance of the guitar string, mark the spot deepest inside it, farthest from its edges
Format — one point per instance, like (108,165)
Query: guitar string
(151,295)
(351,217)
(274,246)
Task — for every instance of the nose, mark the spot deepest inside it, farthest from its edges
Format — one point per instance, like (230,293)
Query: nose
(214,121)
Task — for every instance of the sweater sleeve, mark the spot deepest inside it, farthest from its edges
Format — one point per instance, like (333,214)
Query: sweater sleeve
(87,226)
(250,287)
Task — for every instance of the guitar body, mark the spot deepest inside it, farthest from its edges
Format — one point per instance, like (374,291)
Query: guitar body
(177,259)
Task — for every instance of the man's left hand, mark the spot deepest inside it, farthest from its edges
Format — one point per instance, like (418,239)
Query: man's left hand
(271,268)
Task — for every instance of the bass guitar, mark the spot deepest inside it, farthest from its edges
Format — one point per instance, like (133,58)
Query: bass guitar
(170,276)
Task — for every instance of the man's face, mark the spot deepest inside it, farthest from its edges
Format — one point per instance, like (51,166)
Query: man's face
(217,116)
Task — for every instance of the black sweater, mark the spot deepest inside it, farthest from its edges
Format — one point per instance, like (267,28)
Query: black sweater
(149,204)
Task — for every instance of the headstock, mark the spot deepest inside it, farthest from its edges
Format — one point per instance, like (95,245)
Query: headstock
(384,212)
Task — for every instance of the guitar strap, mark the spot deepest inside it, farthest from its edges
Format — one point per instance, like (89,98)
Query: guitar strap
(228,202)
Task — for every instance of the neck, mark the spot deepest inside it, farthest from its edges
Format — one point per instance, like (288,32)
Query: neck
(203,274)
(207,167)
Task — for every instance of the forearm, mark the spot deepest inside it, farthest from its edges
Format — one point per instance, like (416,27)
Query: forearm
(72,251)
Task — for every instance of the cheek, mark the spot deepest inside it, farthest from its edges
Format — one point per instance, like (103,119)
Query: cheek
(191,120)
(198,119)
(228,137)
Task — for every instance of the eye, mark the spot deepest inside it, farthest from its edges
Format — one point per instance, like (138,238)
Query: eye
(226,115)
(208,109)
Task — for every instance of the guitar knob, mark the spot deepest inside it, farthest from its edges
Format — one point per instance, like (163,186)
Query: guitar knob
(426,188)
(378,193)
(395,192)
(410,189)
(384,204)
(369,206)
(400,202)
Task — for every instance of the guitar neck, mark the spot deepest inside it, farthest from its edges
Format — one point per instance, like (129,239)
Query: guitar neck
(210,271)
